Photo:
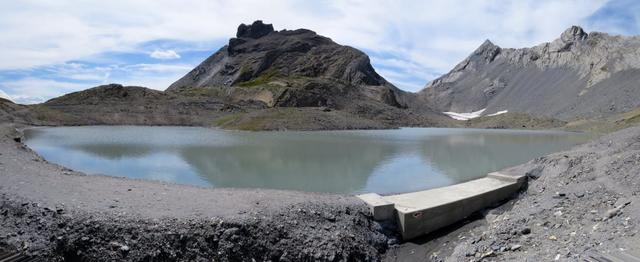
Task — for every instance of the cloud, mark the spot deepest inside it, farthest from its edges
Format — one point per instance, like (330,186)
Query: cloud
(164,54)
(48,82)
(410,41)
(5,95)
(80,30)
(36,90)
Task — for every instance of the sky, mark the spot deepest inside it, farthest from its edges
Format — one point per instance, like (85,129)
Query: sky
(50,48)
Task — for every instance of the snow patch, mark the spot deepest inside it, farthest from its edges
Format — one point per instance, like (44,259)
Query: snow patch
(498,113)
(5,96)
(464,116)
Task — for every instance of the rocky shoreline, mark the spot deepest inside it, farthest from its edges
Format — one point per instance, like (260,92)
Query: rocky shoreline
(57,214)
(580,201)
(577,201)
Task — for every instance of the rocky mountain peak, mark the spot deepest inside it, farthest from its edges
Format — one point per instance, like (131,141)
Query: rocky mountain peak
(256,30)
(488,51)
(259,53)
(573,33)
(576,75)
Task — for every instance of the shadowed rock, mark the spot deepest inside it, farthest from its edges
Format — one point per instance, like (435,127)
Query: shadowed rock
(255,30)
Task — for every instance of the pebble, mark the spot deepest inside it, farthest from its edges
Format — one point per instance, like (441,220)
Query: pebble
(515,247)
(526,231)
(488,254)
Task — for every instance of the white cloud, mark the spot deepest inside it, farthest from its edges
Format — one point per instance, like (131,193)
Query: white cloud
(423,38)
(70,77)
(36,90)
(5,95)
(164,54)
(451,28)
(161,68)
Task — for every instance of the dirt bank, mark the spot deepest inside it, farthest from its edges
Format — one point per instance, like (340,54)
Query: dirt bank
(583,200)
(56,213)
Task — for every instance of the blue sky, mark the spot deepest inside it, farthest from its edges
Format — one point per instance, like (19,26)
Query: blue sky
(54,47)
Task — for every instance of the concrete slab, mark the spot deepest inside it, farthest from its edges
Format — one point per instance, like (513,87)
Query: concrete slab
(422,212)
(380,208)
(508,177)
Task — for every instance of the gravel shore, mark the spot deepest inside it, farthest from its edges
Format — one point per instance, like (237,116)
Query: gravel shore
(583,200)
(56,213)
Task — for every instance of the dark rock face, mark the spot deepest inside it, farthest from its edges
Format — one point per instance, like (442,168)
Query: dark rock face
(260,56)
(258,50)
(577,75)
(255,30)
(299,68)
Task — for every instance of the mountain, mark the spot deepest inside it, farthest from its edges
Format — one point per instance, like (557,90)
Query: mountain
(301,69)
(576,76)
(261,80)
(115,104)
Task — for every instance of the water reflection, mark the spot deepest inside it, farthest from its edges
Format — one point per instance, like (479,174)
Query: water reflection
(383,161)
(115,151)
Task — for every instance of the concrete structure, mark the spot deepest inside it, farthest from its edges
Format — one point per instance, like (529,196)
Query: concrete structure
(380,208)
(423,212)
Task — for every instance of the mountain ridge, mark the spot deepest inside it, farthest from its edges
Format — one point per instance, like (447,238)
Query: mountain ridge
(577,75)
(265,79)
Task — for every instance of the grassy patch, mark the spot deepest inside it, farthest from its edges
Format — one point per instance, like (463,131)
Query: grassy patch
(45,113)
(202,91)
(257,120)
(608,124)
(262,79)
(224,120)
(514,120)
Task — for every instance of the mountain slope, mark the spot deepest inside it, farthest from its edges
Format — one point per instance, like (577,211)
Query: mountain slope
(299,68)
(289,59)
(115,104)
(578,75)
(258,49)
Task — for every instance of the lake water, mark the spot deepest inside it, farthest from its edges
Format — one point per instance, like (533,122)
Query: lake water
(381,161)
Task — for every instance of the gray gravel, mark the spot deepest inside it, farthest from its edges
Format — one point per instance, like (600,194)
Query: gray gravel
(586,199)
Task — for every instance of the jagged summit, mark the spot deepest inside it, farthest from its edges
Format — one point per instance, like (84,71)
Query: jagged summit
(289,67)
(573,33)
(487,51)
(259,51)
(256,30)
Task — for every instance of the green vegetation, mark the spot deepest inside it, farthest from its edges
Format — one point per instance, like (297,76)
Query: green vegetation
(44,113)
(224,120)
(202,91)
(515,121)
(257,120)
(263,79)
(607,125)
